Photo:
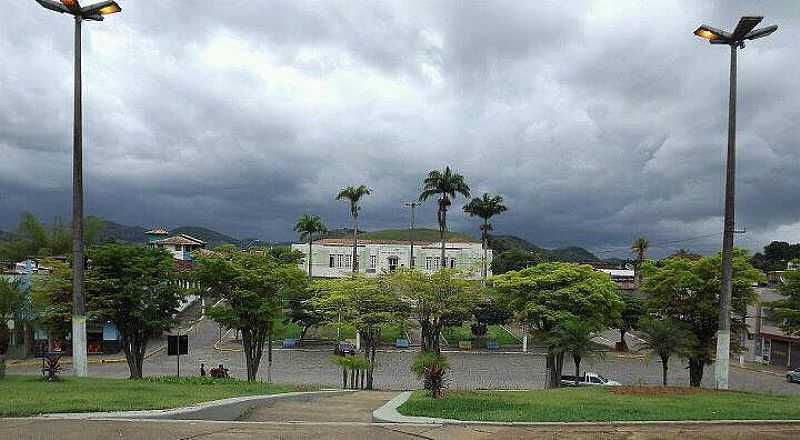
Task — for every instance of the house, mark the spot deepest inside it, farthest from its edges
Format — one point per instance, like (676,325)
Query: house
(180,245)
(333,258)
(764,341)
(625,279)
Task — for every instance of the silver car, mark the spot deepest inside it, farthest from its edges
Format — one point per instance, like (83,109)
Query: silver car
(793,376)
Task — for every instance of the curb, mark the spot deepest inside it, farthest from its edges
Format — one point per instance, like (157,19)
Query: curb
(226,410)
(388,414)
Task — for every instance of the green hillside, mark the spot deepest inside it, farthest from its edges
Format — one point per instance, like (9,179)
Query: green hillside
(400,234)
(211,237)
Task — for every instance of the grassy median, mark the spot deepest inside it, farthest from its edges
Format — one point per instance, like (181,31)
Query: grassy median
(29,395)
(603,404)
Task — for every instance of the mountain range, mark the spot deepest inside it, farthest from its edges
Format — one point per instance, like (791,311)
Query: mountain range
(498,243)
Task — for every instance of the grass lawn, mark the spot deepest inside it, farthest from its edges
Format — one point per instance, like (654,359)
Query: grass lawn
(328,331)
(29,395)
(391,333)
(603,404)
(286,330)
(464,333)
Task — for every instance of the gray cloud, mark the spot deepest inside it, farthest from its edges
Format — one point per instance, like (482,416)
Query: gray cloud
(598,121)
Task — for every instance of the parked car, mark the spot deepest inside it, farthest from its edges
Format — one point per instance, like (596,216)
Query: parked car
(793,376)
(588,379)
(344,348)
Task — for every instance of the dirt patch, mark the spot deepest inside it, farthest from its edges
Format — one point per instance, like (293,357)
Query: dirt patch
(656,391)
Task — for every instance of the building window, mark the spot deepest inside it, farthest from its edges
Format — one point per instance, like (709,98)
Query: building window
(428,263)
(393,264)
(436,263)
(373,262)
(333,261)
(339,260)
(452,263)
(347,260)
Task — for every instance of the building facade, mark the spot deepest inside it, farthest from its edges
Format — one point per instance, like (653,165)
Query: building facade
(333,258)
(765,342)
(180,245)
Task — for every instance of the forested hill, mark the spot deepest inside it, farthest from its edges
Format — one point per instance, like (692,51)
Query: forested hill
(136,234)
(502,243)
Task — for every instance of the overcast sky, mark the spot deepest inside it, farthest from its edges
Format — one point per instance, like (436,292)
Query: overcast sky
(597,121)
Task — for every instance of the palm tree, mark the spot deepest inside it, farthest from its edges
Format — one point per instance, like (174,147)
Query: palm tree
(307,226)
(574,336)
(485,207)
(664,337)
(446,184)
(354,194)
(639,247)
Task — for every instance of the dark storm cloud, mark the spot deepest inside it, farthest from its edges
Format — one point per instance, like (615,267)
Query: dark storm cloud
(598,121)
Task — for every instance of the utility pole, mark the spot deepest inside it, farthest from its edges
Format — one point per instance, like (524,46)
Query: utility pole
(413,206)
(736,40)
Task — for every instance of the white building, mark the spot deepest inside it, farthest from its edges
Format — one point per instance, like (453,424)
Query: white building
(333,257)
(180,246)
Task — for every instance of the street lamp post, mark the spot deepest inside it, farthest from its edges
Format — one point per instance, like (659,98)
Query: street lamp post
(413,206)
(94,12)
(736,40)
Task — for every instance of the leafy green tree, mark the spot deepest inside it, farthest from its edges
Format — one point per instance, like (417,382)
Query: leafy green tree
(545,295)
(787,311)
(632,312)
(639,247)
(253,288)
(488,313)
(437,298)
(688,291)
(485,207)
(132,287)
(32,238)
(354,194)
(368,304)
(309,226)
(11,297)
(516,259)
(775,256)
(665,337)
(51,297)
(574,336)
(446,185)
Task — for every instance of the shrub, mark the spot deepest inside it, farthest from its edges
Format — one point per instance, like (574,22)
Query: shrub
(432,368)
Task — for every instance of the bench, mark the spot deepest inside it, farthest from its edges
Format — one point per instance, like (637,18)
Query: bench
(465,345)
(492,345)
(289,343)
(401,343)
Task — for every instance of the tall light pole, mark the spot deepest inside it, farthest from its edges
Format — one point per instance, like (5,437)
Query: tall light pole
(412,205)
(744,31)
(94,12)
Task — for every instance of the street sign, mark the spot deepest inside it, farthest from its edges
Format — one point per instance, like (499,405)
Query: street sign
(177,345)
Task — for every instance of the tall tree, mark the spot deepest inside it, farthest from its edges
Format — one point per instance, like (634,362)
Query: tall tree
(354,194)
(132,286)
(309,226)
(11,297)
(665,337)
(632,312)
(485,207)
(253,288)
(368,304)
(639,247)
(545,295)
(688,291)
(446,185)
(436,297)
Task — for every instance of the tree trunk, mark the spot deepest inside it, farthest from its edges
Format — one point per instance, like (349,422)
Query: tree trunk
(355,244)
(303,333)
(344,378)
(554,365)
(484,244)
(2,365)
(443,234)
(269,356)
(695,371)
(27,338)
(664,369)
(353,378)
(310,240)
(577,360)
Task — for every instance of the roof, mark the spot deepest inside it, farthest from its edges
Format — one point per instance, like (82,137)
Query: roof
(349,242)
(619,273)
(181,239)
(157,231)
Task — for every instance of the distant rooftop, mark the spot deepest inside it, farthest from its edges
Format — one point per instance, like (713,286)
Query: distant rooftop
(157,231)
(181,239)
(349,242)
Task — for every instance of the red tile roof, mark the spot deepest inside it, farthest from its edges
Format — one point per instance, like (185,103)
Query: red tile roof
(181,239)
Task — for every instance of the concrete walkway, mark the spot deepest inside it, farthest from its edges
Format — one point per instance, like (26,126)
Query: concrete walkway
(354,407)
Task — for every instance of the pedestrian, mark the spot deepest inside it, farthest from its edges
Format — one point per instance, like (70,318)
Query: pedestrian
(202,370)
